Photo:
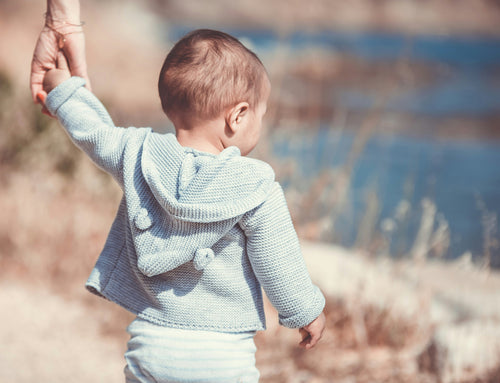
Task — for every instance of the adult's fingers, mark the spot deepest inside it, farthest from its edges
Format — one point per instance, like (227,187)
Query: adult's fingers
(61,61)
(74,51)
(36,83)
(41,97)
(44,58)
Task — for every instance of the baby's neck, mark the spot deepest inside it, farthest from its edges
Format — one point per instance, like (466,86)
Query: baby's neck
(203,139)
(199,144)
(202,135)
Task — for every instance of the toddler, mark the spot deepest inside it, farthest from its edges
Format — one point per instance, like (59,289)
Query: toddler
(200,228)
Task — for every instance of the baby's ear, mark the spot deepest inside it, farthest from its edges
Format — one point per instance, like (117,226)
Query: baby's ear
(236,115)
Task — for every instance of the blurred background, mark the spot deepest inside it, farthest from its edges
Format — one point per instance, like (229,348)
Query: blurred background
(384,130)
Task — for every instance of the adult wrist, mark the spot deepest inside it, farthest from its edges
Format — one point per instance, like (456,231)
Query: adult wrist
(63,26)
(63,11)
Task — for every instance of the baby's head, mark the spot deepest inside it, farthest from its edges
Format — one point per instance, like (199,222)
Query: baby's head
(209,77)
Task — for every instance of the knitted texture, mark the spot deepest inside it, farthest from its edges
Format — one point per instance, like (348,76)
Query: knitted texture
(196,234)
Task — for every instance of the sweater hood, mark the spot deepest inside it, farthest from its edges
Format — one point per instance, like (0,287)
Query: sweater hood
(200,198)
(195,186)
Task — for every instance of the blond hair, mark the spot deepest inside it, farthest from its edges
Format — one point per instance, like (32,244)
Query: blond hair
(207,71)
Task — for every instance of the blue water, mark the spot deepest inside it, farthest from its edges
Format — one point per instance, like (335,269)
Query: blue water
(457,176)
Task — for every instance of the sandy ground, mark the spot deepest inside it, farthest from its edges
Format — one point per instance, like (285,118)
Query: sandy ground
(49,337)
(46,338)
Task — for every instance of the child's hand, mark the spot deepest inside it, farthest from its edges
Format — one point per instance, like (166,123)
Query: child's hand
(56,76)
(311,334)
(53,78)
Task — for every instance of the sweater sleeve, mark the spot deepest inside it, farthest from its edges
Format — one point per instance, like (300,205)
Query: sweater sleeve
(89,125)
(274,252)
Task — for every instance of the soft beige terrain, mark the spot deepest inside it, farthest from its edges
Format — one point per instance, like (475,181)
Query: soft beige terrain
(386,323)
(47,338)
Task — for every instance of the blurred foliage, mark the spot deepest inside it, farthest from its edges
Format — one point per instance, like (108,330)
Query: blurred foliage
(30,139)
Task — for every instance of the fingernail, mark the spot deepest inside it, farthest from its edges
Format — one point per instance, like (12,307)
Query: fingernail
(40,97)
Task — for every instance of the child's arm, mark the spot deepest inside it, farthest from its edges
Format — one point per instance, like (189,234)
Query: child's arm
(274,252)
(84,118)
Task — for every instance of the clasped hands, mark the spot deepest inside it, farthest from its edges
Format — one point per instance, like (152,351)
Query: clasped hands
(52,78)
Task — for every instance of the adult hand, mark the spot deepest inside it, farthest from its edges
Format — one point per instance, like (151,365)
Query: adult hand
(49,43)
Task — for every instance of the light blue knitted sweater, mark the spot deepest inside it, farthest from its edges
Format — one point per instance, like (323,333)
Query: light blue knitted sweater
(196,235)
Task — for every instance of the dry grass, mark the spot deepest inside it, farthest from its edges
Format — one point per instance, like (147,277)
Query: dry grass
(362,345)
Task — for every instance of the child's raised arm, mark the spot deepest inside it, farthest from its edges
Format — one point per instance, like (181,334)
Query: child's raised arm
(85,119)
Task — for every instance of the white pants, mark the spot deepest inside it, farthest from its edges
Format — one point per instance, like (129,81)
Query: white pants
(168,355)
